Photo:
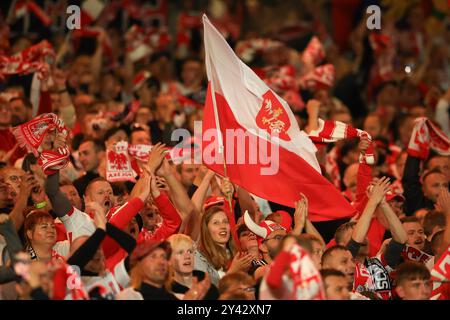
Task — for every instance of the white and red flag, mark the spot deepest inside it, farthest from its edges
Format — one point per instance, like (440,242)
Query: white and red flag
(238,100)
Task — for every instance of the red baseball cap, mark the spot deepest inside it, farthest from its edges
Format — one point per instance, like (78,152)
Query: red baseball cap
(146,247)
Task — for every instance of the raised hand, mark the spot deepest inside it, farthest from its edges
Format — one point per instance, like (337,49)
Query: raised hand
(3,218)
(288,243)
(198,289)
(364,143)
(7,155)
(99,214)
(301,212)
(226,187)
(164,170)
(60,142)
(142,187)
(241,262)
(156,158)
(443,201)
(27,184)
(313,107)
(154,187)
(161,183)
(378,191)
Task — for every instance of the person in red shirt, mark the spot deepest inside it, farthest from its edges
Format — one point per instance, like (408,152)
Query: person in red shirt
(9,150)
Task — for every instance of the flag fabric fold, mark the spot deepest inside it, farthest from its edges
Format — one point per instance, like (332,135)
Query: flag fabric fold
(238,100)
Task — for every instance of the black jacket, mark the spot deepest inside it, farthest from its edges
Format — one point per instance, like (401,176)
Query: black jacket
(414,197)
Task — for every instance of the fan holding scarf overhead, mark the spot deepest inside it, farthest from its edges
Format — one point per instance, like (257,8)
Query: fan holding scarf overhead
(45,136)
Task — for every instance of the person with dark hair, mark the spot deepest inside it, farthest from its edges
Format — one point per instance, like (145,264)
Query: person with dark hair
(433,222)
(239,282)
(439,162)
(340,258)
(114,135)
(71,193)
(187,173)
(335,283)
(413,281)
(20,110)
(120,193)
(140,135)
(9,149)
(348,154)
(91,153)
(421,192)
(415,232)
(249,243)
(162,126)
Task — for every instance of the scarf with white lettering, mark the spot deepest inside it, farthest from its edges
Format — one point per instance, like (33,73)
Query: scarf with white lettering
(31,134)
(412,254)
(374,275)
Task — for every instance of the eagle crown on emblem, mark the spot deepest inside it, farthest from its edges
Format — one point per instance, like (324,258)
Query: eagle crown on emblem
(274,123)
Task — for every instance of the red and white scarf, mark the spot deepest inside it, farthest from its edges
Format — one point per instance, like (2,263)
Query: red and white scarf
(27,61)
(321,77)
(314,53)
(374,275)
(24,6)
(427,135)
(440,274)
(118,164)
(332,131)
(248,49)
(144,42)
(307,282)
(412,254)
(30,135)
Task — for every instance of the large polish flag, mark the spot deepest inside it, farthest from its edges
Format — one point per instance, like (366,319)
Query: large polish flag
(243,101)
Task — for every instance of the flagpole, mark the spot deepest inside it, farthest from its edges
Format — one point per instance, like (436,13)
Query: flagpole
(220,139)
(216,120)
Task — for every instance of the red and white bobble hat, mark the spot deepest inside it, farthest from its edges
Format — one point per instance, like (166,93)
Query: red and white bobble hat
(264,229)
(140,78)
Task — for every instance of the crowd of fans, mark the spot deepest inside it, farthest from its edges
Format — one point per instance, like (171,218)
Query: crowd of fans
(177,230)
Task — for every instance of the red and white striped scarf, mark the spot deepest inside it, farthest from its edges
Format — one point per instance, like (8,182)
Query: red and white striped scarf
(30,135)
(332,131)
(427,135)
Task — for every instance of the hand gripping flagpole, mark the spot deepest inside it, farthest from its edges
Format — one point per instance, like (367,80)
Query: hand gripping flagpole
(216,114)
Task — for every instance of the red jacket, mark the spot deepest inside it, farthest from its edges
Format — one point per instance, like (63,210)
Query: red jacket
(171,220)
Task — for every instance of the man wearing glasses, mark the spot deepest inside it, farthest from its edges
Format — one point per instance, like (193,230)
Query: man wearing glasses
(269,236)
